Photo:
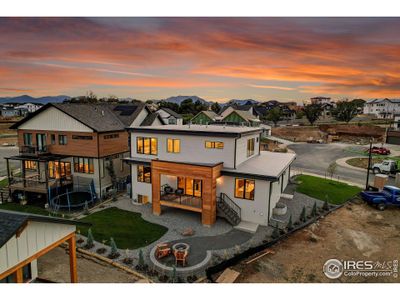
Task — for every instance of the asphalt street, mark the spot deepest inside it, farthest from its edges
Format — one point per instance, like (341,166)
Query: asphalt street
(7,152)
(315,158)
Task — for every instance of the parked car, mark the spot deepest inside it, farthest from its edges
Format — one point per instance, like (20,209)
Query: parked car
(379,150)
(387,166)
(390,195)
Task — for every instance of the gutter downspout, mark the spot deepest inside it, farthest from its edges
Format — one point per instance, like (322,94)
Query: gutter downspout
(234,158)
(98,163)
(269,199)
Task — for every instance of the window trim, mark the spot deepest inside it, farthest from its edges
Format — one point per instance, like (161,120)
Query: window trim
(61,138)
(251,152)
(173,145)
(142,138)
(79,160)
(244,188)
(213,145)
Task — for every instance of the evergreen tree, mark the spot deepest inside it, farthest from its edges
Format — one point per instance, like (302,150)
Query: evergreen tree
(114,249)
(90,239)
(141,259)
(290,223)
(173,276)
(314,210)
(326,205)
(303,214)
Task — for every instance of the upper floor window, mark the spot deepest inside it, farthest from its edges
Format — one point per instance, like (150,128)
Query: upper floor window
(173,145)
(146,145)
(244,188)
(83,165)
(214,145)
(82,137)
(250,147)
(62,139)
(30,165)
(172,121)
(143,174)
(111,136)
(28,139)
(53,139)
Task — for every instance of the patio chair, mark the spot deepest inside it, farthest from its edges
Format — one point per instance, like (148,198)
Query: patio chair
(163,250)
(168,190)
(180,256)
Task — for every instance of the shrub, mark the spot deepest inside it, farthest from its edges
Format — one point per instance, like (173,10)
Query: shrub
(114,250)
(326,205)
(163,278)
(141,259)
(90,240)
(314,210)
(191,278)
(303,217)
(290,224)
(101,250)
(275,233)
(173,275)
(127,260)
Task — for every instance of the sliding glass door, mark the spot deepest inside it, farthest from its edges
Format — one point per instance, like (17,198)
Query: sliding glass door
(190,186)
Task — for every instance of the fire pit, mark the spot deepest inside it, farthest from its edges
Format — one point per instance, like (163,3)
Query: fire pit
(180,247)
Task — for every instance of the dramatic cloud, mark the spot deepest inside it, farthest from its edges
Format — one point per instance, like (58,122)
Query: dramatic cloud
(218,58)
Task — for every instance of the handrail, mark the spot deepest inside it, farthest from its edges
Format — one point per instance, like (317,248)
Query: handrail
(228,201)
(34,149)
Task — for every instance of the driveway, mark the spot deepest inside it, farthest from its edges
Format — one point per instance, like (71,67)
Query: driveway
(315,158)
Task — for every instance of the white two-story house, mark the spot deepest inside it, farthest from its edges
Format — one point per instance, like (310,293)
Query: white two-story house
(210,169)
(382,108)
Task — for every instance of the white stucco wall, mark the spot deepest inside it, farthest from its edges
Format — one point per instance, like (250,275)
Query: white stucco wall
(192,149)
(241,148)
(55,120)
(36,237)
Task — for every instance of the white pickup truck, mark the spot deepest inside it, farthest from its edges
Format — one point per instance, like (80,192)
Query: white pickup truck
(387,166)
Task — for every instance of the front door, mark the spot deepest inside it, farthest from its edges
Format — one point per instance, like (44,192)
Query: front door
(191,186)
(41,141)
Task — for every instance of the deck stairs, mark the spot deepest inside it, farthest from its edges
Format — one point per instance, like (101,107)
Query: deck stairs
(228,209)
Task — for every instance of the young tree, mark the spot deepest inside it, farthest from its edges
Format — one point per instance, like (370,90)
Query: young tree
(274,115)
(90,240)
(141,259)
(290,223)
(303,214)
(173,275)
(314,210)
(312,112)
(345,111)
(114,250)
(299,114)
(331,170)
(215,107)
(275,233)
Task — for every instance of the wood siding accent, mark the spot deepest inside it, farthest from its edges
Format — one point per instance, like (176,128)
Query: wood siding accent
(96,147)
(208,174)
(114,145)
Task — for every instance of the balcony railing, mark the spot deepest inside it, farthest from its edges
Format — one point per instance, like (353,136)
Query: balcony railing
(34,150)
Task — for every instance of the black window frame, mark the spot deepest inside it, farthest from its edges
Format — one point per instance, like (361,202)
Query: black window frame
(62,139)
(80,163)
(143,147)
(213,145)
(141,174)
(244,188)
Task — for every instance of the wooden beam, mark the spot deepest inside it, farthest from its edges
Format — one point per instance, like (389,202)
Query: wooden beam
(19,278)
(72,259)
(36,256)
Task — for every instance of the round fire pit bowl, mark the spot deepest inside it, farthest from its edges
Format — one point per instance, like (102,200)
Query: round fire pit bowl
(180,247)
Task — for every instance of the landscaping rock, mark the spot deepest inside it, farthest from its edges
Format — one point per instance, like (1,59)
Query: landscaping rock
(188,232)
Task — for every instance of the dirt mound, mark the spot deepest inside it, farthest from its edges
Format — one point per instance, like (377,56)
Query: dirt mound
(298,134)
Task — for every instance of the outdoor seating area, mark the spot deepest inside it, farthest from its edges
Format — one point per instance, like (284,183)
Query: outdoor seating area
(177,196)
(165,251)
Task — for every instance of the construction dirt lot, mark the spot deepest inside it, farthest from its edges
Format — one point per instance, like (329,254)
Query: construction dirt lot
(54,266)
(353,232)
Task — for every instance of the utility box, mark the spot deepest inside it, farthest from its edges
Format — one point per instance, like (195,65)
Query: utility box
(380,181)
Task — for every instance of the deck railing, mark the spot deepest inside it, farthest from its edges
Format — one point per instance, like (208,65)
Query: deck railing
(34,149)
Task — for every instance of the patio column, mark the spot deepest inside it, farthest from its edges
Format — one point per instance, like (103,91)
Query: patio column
(72,259)
(19,276)
(155,191)
(209,205)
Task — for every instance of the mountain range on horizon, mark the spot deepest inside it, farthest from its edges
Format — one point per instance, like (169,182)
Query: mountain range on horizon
(174,99)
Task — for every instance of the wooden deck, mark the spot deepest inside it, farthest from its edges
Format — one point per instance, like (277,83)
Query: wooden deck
(35,186)
(183,202)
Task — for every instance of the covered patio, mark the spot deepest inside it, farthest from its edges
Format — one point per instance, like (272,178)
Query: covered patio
(185,186)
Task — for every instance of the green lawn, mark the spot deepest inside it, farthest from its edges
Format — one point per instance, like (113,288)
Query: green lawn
(24,208)
(127,228)
(4,183)
(320,188)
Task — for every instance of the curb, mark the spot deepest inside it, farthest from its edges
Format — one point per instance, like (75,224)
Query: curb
(342,162)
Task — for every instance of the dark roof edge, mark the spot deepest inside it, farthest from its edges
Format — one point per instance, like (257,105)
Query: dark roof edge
(211,165)
(248,175)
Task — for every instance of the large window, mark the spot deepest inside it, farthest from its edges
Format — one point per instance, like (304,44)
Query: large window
(28,139)
(62,139)
(30,165)
(145,145)
(244,188)
(53,139)
(59,169)
(111,136)
(173,145)
(250,147)
(214,145)
(82,137)
(83,165)
(143,174)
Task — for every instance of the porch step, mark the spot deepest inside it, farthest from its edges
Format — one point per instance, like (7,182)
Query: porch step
(229,214)
(287,196)
(247,226)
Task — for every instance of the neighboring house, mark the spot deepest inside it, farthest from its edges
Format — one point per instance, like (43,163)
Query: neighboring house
(393,133)
(11,112)
(320,100)
(239,117)
(25,237)
(74,146)
(327,110)
(210,169)
(228,109)
(29,107)
(204,117)
(382,108)
(169,116)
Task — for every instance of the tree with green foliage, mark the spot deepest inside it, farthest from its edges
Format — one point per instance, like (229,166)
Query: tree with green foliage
(90,239)
(170,105)
(299,114)
(114,249)
(331,170)
(345,111)
(303,217)
(274,115)
(326,204)
(215,107)
(173,275)
(312,112)
(314,210)
(141,258)
(290,223)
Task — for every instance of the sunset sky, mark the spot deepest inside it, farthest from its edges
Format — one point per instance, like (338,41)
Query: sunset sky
(215,58)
